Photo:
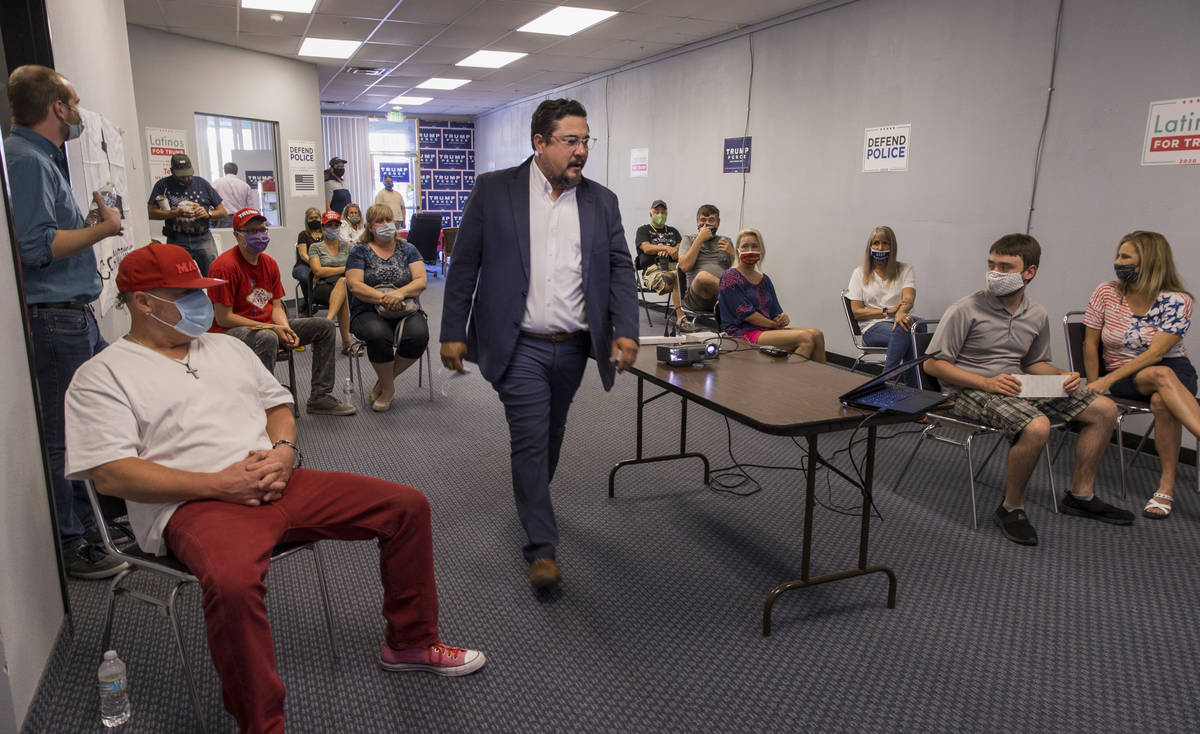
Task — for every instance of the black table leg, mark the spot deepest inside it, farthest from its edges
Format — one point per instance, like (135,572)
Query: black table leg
(810,486)
(683,452)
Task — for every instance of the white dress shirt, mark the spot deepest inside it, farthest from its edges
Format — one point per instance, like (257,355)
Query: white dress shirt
(235,193)
(555,300)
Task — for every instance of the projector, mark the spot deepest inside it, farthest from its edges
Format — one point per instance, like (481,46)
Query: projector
(679,355)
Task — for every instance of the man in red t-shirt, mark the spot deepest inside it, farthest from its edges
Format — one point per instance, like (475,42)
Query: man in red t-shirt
(249,306)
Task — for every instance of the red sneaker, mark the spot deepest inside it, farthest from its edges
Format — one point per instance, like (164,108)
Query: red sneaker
(439,659)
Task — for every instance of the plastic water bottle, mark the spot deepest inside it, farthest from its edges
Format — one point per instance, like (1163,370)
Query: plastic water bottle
(348,389)
(114,691)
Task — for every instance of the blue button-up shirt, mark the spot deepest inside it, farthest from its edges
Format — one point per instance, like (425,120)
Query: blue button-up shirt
(42,204)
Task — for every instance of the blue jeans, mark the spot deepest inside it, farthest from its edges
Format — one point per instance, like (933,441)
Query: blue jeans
(202,248)
(537,390)
(63,339)
(303,275)
(899,347)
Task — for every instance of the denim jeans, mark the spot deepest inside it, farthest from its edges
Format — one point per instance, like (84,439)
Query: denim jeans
(202,248)
(63,339)
(899,347)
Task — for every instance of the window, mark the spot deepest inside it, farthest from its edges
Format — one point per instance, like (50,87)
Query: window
(394,151)
(251,144)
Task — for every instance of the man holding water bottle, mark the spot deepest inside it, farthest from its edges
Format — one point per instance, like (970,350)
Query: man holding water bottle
(61,281)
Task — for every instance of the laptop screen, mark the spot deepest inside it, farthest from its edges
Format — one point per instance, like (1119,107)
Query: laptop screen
(875,382)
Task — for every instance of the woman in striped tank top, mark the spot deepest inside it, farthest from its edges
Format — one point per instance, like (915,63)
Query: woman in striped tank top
(1137,323)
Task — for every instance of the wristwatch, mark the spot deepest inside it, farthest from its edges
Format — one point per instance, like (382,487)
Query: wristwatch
(295,450)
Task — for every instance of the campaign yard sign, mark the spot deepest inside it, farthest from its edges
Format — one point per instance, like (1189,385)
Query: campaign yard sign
(398,171)
(447,159)
(1172,133)
(737,155)
(886,148)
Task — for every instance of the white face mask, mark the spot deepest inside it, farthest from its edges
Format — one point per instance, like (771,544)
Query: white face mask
(1002,284)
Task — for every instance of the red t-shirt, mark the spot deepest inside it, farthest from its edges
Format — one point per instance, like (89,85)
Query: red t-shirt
(250,290)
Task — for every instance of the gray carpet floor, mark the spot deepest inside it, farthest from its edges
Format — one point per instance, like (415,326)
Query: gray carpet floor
(657,627)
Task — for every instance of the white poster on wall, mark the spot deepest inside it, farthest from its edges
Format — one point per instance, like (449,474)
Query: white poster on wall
(639,162)
(102,152)
(163,142)
(886,148)
(1172,133)
(302,168)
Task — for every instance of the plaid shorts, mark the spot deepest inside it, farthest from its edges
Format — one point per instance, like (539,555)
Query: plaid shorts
(1011,415)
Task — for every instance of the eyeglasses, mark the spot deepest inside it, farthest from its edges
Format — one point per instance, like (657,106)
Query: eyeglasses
(573,141)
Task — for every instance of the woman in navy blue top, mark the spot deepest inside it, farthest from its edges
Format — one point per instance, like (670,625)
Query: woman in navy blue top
(750,309)
(385,275)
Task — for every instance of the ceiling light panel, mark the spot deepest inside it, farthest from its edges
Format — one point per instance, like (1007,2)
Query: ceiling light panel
(439,83)
(329,48)
(491,59)
(566,21)
(409,101)
(286,6)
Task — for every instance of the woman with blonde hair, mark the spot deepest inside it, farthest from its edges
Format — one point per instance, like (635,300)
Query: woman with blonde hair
(882,292)
(385,275)
(750,309)
(1137,323)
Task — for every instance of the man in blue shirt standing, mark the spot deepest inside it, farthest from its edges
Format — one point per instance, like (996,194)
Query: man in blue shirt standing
(58,267)
(189,204)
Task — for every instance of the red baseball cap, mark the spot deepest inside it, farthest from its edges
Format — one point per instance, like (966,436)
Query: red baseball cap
(160,266)
(244,216)
(331,216)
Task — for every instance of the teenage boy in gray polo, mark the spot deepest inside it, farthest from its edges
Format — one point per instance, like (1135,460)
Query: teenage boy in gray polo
(981,346)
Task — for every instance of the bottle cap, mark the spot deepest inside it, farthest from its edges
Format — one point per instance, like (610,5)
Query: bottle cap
(110,655)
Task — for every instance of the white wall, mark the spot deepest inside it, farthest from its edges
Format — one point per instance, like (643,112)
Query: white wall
(971,78)
(237,83)
(31,603)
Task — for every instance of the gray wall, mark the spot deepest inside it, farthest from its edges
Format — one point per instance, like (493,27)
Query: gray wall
(267,88)
(971,78)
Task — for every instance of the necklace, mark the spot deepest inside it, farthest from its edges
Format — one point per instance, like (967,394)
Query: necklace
(186,363)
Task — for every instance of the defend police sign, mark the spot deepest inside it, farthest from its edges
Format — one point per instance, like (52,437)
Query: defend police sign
(886,148)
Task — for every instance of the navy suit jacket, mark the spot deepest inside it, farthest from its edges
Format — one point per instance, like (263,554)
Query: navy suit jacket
(489,272)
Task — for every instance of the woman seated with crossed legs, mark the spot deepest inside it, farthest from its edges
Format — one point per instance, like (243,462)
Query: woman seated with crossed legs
(1140,319)
(750,309)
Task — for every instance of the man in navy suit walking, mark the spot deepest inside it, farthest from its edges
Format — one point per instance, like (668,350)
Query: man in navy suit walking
(541,279)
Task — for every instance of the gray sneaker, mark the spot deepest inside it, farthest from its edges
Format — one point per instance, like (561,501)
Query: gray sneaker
(87,561)
(329,405)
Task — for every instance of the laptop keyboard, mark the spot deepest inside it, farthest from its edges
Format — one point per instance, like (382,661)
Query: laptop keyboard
(888,397)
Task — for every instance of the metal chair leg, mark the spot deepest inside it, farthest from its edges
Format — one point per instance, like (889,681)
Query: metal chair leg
(913,455)
(1050,475)
(1121,452)
(173,617)
(986,461)
(323,587)
(114,588)
(971,476)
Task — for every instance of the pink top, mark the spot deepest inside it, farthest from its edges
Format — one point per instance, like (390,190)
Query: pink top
(1124,335)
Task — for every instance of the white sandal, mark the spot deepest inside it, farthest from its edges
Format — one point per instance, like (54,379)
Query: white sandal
(1163,508)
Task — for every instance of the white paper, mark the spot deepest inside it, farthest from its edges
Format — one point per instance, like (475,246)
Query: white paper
(1042,386)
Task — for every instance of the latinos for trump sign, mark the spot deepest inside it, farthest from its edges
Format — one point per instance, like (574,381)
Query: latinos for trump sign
(886,148)
(1172,133)
(737,155)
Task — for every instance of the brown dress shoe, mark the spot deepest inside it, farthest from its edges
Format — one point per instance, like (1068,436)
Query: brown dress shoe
(543,572)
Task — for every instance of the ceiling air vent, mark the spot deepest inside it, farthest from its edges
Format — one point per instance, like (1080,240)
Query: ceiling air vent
(365,70)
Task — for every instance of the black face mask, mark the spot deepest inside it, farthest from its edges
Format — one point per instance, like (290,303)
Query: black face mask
(711,228)
(314,224)
(1126,273)
(340,171)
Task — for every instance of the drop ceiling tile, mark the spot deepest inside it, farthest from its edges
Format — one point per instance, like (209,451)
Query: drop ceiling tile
(188,16)
(331,26)
(424,71)
(227,37)
(259,22)
(382,53)
(725,11)
(434,11)
(356,8)
(468,38)
(434,54)
(526,42)
(581,64)
(631,50)
(407,33)
(502,14)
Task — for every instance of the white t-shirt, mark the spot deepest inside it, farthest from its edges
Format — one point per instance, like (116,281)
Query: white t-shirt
(877,293)
(130,401)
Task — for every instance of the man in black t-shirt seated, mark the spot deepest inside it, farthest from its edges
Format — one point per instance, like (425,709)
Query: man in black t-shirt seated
(658,251)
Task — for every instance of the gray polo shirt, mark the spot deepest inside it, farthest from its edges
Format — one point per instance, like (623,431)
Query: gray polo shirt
(710,258)
(979,335)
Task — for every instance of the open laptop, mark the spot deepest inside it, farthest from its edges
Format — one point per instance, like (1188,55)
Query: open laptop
(876,394)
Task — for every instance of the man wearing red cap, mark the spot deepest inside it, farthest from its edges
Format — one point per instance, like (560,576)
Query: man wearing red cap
(249,306)
(199,439)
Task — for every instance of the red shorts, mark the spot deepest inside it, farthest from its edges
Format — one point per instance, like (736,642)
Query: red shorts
(752,336)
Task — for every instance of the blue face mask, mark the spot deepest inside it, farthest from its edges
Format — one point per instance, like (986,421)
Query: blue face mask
(331,234)
(880,256)
(195,313)
(75,131)
(257,241)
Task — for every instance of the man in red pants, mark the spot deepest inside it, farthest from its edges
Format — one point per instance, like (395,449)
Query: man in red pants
(199,439)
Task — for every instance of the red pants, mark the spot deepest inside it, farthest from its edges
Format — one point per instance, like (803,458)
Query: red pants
(227,547)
